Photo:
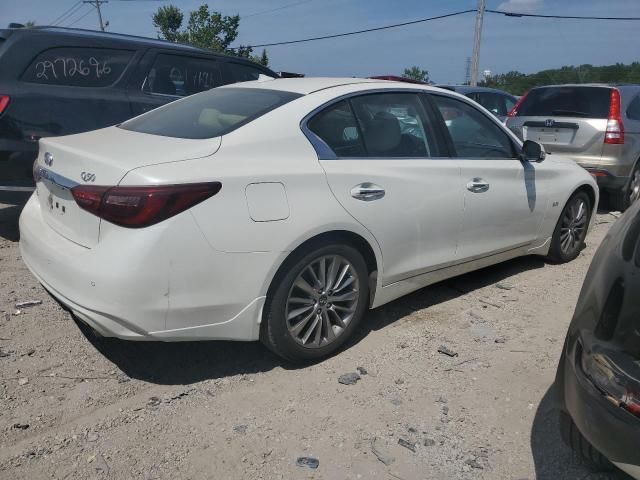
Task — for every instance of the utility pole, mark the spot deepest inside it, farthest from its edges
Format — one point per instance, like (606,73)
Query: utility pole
(97,3)
(475,61)
(467,72)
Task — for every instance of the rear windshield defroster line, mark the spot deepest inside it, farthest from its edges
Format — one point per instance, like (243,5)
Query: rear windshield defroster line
(210,114)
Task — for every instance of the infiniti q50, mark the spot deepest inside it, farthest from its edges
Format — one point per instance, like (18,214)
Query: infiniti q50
(282,210)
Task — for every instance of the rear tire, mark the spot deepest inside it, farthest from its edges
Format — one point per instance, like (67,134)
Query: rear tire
(627,195)
(326,318)
(581,447)
(571,230)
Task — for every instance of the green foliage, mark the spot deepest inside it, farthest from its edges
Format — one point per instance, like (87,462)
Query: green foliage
(29,24)
(169,20)
(264,58)
(518,83)
(205,29)
(416,73)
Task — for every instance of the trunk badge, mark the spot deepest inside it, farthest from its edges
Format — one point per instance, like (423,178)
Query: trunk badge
(88,177)
(549,122)
(48,159)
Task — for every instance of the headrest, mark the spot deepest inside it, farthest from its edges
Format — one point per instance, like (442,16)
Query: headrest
(383,134)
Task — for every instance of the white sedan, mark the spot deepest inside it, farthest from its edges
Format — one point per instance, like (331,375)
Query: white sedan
(282,210)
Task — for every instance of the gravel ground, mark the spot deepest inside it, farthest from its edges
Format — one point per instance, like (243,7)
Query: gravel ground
(76,406)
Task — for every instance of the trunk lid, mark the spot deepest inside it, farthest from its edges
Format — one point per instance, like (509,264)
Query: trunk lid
(101,157)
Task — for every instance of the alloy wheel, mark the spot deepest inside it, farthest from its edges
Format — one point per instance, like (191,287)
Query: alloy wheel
(634,186)
(574,224)
(322,301)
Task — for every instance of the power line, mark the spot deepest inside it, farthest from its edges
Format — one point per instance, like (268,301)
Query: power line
(67,13)
(567,17)
(275,9)
(403,24)
(80,18)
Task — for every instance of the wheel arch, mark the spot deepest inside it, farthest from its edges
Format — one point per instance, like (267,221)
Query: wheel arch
(591,193)
(348,237)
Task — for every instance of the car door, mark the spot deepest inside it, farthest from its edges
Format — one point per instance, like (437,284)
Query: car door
(385,164)
(504,202)
(165,76)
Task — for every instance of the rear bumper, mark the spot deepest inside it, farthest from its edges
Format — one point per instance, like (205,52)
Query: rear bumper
(170,285)
(610,429)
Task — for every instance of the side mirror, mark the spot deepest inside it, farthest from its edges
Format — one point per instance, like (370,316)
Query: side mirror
(532,152)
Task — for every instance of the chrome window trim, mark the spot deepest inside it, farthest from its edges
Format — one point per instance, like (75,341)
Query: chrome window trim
(56,179)
(324,152)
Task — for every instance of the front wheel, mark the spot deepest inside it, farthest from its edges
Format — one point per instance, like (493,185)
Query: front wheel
(571,229)
(316,303)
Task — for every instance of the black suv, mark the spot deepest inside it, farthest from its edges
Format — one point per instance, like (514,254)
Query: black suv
(60,81)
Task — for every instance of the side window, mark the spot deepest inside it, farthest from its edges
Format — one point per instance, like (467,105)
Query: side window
(337,127)
(493,102)
(179,75)
(472,133)
(241,72)
(395,125)
(633,111)
(509,102)
(78,67)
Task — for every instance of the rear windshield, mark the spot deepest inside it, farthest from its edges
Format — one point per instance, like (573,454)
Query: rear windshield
(587,102)
(210,114)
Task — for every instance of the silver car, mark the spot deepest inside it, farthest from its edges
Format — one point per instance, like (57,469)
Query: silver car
(597,125)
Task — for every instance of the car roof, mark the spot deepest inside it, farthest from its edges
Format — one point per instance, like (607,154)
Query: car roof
(119,37)
(469,89)
(308,85)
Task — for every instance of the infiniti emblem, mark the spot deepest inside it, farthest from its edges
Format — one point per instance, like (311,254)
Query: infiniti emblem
(549,122)
(88,177)
(48,159)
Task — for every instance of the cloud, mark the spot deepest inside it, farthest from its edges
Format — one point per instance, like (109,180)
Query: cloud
(521,6)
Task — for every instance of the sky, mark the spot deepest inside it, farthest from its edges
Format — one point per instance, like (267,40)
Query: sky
(441,47)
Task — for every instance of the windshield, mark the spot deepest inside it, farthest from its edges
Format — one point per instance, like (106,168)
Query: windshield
(587,102)
(210,114)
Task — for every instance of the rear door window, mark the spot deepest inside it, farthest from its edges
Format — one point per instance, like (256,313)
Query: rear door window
(337,127)
(578,101)
(395,125)
(178,75)
(78,67)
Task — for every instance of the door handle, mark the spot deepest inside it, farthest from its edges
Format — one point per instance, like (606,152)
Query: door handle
(367,192)
(477,185)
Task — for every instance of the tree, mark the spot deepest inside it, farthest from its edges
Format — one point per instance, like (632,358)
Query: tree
(264,59)
(416,73)
(169,20)
(205,29)
(29,24)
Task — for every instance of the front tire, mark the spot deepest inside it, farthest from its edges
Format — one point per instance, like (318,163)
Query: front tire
(316,303)
(571,230)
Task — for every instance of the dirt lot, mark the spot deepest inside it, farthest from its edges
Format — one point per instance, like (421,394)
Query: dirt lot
(75,406)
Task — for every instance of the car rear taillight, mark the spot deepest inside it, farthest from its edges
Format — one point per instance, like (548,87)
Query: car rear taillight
(137,207)
(514,110)
(615,129)
(4,101)
(617,387)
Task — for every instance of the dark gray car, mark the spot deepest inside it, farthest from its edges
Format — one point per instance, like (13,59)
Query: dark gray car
(597,125)
(496,101)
